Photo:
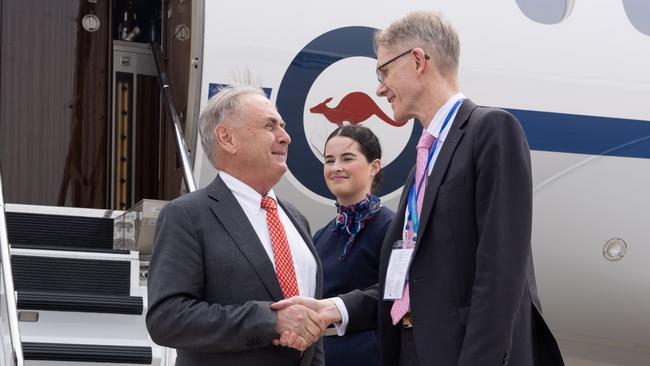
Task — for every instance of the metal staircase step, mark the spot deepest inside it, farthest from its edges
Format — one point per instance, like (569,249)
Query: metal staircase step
(71,275)
(52,227)
(31,300)
(83,327)
(87,353)
(69,248)
(53,230)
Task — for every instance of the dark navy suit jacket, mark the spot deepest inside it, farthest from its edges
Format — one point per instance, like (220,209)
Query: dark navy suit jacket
(472,285)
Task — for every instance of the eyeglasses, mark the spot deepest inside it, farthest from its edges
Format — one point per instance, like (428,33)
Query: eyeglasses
(380,73)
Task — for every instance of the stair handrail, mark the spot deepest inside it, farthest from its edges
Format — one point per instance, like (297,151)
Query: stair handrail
(181,148)
(8,281)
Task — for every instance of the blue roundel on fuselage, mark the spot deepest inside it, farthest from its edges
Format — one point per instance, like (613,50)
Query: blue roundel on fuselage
(309,63)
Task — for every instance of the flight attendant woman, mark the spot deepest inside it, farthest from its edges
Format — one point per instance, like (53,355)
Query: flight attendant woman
(349,245)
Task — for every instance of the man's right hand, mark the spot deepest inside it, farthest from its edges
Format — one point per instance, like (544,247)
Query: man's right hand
(304,325)
(325,309)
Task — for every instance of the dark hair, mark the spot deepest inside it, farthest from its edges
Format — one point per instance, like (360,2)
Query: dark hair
(369,144)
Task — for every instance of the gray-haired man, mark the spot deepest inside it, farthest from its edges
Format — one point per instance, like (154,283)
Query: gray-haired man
(224,253)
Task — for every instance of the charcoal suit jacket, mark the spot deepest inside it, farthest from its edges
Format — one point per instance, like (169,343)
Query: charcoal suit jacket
(211,284)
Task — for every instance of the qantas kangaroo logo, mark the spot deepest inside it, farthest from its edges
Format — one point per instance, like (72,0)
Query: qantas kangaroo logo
(354,108)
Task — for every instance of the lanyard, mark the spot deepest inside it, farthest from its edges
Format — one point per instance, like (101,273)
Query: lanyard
(413,216)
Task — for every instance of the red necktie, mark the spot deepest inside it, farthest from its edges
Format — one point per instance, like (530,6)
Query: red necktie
(403,305)
(281,252)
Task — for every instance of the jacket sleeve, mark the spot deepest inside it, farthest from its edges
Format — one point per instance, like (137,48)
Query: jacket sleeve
(504,220)
(178,316)
(319,355)
(362,307)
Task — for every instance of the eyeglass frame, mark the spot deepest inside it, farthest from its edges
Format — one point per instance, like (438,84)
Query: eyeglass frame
(380,74)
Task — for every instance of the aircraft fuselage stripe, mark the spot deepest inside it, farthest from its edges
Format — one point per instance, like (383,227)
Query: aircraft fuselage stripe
(581,134)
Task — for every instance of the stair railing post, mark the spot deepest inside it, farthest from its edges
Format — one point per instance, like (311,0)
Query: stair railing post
(8,283)
(181,148)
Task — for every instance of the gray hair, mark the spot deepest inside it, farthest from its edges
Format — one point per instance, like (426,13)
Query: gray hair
(225,105)
(426,29)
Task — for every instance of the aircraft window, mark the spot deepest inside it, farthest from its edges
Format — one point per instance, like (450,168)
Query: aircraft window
(547,11)
(637,12)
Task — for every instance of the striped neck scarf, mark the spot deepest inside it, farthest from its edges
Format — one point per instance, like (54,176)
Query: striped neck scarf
(352,219)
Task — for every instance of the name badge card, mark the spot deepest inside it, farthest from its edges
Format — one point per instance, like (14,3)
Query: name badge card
(398,266)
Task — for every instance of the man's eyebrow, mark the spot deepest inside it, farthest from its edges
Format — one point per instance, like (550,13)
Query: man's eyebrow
(272,120)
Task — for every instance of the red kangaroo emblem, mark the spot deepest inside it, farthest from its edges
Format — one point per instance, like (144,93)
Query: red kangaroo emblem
(355,108)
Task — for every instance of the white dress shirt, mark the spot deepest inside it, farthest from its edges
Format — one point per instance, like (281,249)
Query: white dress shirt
(434,129)
(303,259)
(436,123)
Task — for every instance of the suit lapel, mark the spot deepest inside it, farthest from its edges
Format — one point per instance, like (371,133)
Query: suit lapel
(401,208)
(228,211)
(395,229)
(442,162)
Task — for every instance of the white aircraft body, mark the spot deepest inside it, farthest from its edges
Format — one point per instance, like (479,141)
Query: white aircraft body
(577,75)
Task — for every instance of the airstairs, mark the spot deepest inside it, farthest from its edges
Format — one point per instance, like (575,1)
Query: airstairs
(67,297)
(78,300)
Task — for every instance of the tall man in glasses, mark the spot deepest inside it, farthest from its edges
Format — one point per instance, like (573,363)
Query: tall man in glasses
(456,285)
(224,253)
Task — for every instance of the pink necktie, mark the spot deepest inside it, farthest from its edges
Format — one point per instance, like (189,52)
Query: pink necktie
(281,252)
(402,306)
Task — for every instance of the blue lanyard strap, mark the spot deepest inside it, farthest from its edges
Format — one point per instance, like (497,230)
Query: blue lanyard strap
(415,193)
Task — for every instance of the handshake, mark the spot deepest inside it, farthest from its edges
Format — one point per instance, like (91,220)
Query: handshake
(303,320)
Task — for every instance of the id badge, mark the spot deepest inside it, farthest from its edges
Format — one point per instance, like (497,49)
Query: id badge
(398,266)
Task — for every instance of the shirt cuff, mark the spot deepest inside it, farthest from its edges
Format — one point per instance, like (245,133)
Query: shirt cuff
(343,325)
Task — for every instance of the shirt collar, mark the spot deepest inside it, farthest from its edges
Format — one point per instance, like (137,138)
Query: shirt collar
(439,118)
(244,193)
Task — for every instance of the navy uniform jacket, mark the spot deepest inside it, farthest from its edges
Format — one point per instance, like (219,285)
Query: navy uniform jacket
(359,270)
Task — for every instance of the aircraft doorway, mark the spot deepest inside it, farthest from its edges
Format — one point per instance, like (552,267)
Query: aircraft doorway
(77,126)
